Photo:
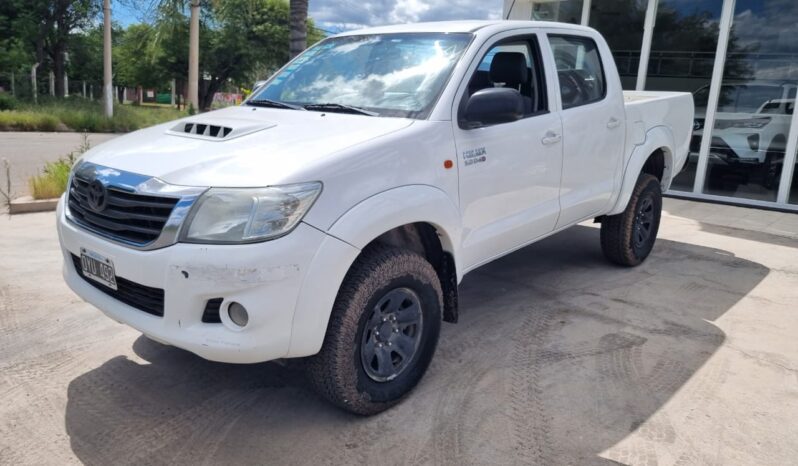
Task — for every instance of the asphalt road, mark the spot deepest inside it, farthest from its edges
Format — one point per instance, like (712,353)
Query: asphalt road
(27,152)
(559,358)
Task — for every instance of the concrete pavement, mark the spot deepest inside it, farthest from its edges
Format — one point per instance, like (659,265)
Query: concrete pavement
(559,358)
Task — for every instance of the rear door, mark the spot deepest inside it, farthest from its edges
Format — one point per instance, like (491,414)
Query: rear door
(509,173)
(593,120)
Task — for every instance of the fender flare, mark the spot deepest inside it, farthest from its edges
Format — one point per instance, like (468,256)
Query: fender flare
(657,138)
(348,235)
(396,207)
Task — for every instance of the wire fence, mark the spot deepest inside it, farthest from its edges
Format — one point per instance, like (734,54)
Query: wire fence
(20,84)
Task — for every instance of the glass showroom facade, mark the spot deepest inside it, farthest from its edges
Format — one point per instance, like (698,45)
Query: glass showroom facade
(739,59)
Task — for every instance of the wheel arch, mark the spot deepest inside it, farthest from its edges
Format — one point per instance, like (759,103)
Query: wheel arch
(655,157)
(428,241)
(419,217)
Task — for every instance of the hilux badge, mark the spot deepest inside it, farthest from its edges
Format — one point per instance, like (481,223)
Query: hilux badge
(472,156)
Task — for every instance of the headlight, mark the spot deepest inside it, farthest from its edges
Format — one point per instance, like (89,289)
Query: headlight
(749,123)
(248,215)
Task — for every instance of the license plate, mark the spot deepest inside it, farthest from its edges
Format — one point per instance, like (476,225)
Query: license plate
(98,268)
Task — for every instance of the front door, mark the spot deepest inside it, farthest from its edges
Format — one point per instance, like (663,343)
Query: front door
(509,172)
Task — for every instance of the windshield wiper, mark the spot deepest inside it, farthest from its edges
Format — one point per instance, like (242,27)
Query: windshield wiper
(333,107)
(273,103)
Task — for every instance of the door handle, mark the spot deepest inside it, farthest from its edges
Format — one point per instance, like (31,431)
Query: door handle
(550,138)
(613,123)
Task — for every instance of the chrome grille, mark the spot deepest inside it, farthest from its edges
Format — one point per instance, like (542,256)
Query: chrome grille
(130,217)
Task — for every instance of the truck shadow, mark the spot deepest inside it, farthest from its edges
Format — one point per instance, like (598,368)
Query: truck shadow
(557,358)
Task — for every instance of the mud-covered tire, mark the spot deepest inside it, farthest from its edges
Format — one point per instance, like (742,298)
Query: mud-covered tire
(627,238)
(338,372)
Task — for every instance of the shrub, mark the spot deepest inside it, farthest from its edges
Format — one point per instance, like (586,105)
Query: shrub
(55,176)
(78,114)
(53,182)
(27,121)
(8,102)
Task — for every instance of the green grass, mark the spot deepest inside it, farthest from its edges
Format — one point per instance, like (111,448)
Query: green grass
(77,114)
(53,181)
(21,120)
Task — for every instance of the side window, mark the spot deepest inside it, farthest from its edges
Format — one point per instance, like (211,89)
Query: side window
(579,70)
(515,64)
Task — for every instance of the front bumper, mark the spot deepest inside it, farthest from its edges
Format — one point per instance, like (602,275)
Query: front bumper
(267,278)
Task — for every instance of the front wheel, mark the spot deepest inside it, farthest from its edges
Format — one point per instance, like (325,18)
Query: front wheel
(382,333)
(627,238)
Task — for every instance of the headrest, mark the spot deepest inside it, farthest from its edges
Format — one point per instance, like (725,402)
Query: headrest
(509,68)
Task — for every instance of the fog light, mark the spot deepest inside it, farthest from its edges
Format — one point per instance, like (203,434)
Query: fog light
(238,314)
(753,141)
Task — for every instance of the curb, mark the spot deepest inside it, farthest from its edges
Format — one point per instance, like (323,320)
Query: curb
(27,205)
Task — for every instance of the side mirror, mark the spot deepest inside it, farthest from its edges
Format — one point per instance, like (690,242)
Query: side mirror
(492,106)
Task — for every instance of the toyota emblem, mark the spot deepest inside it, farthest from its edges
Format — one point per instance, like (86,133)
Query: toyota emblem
(97,197)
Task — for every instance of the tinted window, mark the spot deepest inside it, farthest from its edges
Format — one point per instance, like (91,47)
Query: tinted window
(578,69)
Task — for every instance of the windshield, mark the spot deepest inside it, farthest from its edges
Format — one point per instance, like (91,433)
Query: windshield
(388,74)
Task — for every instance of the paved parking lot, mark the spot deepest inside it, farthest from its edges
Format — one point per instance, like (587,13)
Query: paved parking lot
(559,358)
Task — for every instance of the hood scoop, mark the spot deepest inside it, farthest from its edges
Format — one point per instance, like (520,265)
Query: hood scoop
(218,131)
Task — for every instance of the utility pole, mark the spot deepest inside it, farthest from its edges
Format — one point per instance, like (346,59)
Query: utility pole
(108,98)
(13,90)
(193,55)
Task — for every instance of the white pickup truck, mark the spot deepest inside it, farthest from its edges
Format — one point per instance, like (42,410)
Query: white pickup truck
(333,214)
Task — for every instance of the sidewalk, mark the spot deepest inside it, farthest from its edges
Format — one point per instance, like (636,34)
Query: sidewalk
(715,216)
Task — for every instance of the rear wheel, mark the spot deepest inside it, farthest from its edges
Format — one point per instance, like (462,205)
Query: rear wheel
(627,238)
(382,333)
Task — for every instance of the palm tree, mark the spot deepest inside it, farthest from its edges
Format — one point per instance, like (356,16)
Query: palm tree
(193,55)
(298,35)
(169,8)
(108,98)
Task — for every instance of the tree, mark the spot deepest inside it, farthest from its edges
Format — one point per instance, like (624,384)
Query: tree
(86,56)
(42,31)
(108,98)
(139,59)
(240,41)
(299,32)
(56,20)
(12,41)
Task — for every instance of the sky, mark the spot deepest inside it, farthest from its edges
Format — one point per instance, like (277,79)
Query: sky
(339,15)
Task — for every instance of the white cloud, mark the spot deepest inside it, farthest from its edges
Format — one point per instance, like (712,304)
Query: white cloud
(408,10)
(338,15)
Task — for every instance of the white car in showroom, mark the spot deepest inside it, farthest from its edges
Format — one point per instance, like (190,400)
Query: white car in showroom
(751,125)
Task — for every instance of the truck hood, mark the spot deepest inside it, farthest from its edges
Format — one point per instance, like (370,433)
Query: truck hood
(240,146)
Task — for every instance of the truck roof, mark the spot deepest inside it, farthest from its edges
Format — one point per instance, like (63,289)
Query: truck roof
(462,26)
